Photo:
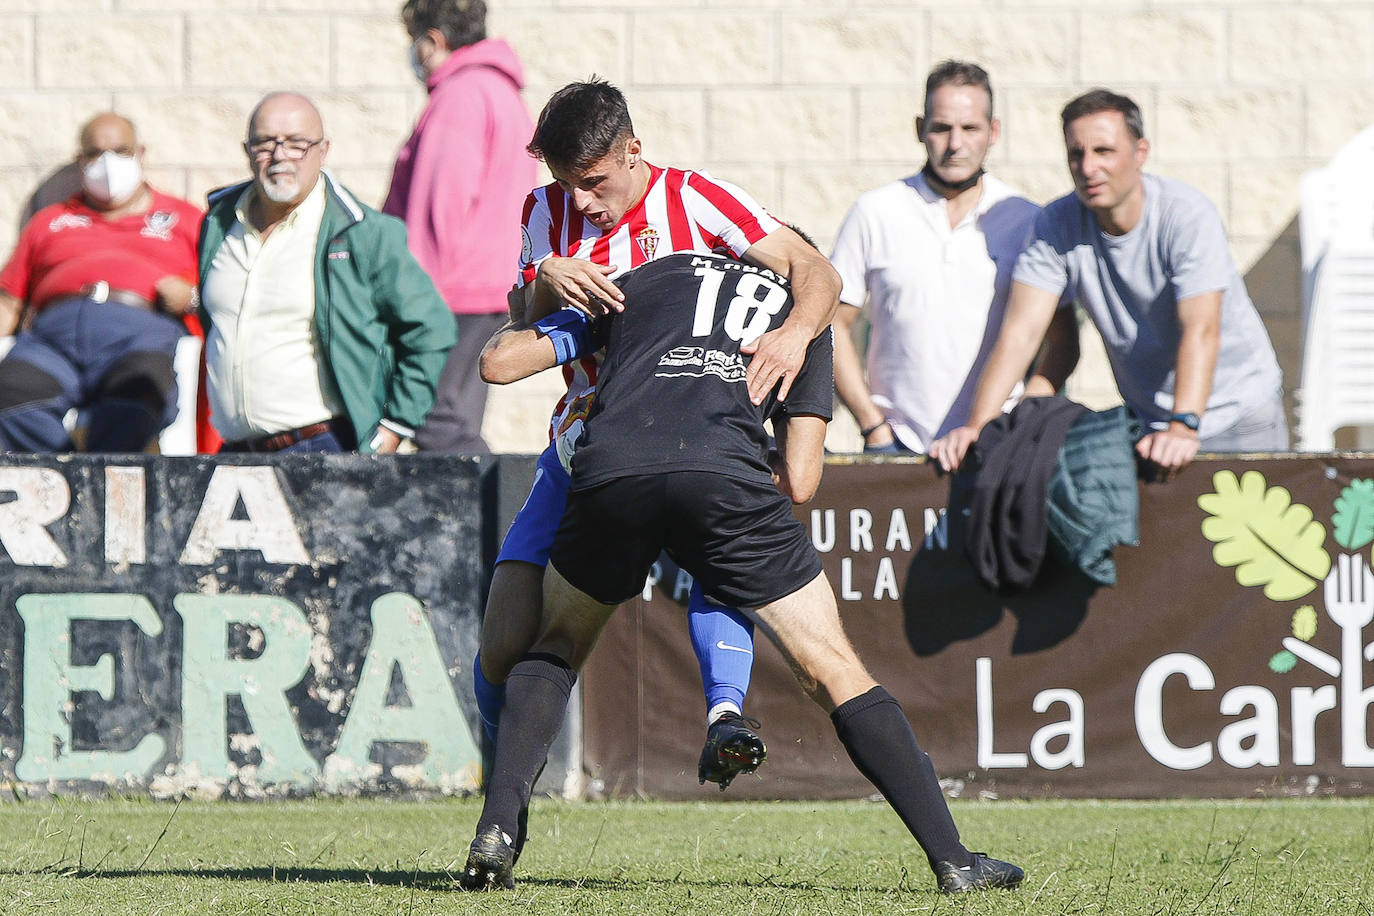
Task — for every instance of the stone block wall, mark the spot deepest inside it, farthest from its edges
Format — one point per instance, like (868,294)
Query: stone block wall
(806,105)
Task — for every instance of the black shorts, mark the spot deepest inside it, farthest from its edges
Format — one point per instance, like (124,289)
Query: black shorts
(736,537)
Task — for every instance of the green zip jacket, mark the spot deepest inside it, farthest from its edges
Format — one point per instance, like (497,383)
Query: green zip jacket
(384,330)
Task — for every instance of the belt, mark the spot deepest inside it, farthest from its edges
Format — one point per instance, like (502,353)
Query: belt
(101,291)
(278,441)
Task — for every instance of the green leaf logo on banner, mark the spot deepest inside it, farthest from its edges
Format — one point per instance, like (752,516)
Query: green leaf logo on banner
(1353,523)
(1305,623)
(1283,662)
(1259,530)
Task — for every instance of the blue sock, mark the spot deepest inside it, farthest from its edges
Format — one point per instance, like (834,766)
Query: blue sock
(723,640)
(490,698)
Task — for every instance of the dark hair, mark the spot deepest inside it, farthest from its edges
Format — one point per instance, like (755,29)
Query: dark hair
(580,124)
(1098,100)
(461,22)
(958,73)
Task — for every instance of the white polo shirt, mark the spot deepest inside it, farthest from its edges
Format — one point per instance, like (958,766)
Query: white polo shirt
(265,372)
(936,296)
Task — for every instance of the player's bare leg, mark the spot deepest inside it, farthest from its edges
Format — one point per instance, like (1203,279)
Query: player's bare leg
(870,724)
(537,692)
(511,621)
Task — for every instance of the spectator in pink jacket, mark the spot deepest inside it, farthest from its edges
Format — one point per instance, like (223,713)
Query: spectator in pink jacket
(459,183)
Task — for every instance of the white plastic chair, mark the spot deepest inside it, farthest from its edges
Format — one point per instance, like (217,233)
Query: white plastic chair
(180,437)
(1336,229)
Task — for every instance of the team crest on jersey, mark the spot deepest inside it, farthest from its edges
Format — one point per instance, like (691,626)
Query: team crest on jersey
(68,221)
(648,242)
(158,225)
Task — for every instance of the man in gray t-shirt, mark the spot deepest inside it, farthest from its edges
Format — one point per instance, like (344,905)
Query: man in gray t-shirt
(1147,258)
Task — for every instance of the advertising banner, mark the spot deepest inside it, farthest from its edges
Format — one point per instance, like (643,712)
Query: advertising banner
(1234,656)
(237,627)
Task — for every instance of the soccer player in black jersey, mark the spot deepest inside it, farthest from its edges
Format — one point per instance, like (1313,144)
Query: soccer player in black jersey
(675,457)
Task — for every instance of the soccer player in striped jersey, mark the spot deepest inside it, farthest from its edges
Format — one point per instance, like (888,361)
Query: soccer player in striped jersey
(606,212)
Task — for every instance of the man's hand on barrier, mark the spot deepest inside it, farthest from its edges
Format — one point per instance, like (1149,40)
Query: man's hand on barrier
(1170,449)
(949,450)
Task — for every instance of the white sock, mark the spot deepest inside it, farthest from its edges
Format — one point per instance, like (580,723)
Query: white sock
(721,709)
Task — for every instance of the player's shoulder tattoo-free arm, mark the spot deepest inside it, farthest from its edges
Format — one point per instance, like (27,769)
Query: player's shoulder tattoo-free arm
(517,351)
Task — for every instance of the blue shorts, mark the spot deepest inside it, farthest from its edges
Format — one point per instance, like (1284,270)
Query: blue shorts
(531,534)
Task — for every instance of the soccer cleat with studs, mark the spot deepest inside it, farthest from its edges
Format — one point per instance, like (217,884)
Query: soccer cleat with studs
(491,862)
(732,747)
(982,873)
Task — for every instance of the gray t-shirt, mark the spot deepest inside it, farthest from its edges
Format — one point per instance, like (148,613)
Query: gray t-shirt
(1130,286)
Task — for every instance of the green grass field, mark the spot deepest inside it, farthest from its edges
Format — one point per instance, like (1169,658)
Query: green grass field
(335,856)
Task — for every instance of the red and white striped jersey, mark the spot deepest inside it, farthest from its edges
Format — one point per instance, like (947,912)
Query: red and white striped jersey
(680,211)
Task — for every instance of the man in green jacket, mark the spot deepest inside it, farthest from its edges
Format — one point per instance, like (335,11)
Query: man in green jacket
(322,332)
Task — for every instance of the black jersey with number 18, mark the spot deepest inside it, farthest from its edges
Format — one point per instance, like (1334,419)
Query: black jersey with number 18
(671,395)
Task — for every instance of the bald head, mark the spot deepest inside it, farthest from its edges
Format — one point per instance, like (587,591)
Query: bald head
(108,131)
(286,149)
(278,105)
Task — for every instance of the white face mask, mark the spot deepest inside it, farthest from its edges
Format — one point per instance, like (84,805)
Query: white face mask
(112,178)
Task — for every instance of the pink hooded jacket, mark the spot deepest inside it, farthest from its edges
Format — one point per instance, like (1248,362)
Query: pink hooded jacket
(461,179)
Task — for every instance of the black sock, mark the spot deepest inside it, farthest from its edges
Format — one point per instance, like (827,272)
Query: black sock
(537,693)
(879,740)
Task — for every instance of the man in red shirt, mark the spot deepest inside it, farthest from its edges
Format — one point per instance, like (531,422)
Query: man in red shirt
(99,284)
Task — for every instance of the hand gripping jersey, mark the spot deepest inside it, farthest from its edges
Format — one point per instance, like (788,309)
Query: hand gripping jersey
(680,211)
(672,393)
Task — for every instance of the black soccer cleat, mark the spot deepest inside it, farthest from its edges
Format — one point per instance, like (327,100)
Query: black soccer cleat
(491,862)
(732,747)
(980,874)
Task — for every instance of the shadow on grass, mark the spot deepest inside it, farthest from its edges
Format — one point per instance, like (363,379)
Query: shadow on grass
(424,880)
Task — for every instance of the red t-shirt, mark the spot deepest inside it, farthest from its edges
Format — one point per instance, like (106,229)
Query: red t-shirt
(68,246)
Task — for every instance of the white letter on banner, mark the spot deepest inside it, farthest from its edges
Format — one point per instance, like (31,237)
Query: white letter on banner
(823,530)
(898,535)
(885,586)
(1071,728)
(847,590)
(269,527)
(402,638)
(1149,710)
(50,679)
(209,675)
(1263,728)
(1307,704)
(987,758)
(860,530)
(42,497)
(937,529)
(126,516)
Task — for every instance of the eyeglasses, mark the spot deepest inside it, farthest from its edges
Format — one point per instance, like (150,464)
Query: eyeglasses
(292,147)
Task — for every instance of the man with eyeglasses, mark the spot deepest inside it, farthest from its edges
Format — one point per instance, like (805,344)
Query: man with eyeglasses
(323,334)
(100,284)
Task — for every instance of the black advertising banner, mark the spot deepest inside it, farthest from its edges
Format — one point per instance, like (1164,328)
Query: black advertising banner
(239,627)
(1234,657)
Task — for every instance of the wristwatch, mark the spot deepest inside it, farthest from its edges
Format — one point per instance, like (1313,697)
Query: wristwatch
(1190,420)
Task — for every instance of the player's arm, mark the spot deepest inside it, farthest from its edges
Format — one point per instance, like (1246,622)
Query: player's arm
(778,355)
(801,455)
(1058,357)
(1029,313)
(850,384)
(1200,319)
(518,350)
(11,308)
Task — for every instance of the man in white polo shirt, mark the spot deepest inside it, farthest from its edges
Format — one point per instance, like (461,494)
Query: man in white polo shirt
(322,331)
(933,255)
